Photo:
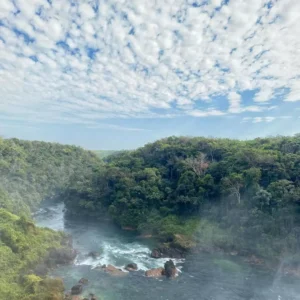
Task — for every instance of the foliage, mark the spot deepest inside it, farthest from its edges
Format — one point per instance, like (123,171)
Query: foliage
(29,173)
(104,153)
(33,171)
(250,189)
(22,246)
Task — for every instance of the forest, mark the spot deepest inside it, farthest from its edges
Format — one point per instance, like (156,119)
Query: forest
(184,191)
(31,172)
(219,193)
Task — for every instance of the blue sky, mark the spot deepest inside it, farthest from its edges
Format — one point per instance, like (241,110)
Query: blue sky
(116,74)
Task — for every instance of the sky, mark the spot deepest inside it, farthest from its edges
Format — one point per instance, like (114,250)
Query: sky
(116,74)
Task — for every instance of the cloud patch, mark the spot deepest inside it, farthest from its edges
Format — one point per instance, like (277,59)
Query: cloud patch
(264,119)
(69,61)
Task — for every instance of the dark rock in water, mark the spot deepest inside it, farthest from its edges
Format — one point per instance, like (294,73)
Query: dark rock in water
(60,256)
(156,253)
(158,272)
(76,289)
(131,267)
(93,297)
(170,269)
(83,281)
(165,251)
(94,254)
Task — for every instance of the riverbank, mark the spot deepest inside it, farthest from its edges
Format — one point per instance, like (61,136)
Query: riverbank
(202,275)
(27,254)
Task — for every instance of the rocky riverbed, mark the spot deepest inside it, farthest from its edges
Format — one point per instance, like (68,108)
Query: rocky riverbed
(115,263)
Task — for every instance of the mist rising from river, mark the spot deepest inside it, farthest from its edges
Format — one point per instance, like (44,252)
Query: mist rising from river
(203,276)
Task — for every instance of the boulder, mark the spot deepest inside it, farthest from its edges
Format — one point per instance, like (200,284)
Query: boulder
(131,267)
(61,256)
(156,253)
(167,251)
(76,289)
(94,254)
(158,272)
(83,281)
(170,269)
(113,270)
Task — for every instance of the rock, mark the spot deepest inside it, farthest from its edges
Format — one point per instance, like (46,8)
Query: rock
(156,253)
(93,297)
(76,289)
(158,272)
(83,281)
(167,251)
(60,256)
(114,271)
(131,267)
(170,269)
(94,254)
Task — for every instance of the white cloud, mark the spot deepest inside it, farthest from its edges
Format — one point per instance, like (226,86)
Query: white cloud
(208,113)
(134,59)
(266,119)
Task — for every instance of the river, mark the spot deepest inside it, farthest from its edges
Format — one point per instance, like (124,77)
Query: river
(209,277)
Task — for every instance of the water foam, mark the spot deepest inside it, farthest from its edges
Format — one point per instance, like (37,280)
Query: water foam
(122,253)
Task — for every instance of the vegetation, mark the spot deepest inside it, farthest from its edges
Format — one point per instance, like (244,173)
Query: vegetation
(29,173)
(217,193)
(104,153)
(34,171)
(22,247)
(243,191)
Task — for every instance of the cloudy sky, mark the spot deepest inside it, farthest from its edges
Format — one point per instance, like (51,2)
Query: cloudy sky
(112,74)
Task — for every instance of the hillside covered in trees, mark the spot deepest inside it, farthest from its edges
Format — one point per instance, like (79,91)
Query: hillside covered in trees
(241,196)
(222,193)
(34,171)
(31,172)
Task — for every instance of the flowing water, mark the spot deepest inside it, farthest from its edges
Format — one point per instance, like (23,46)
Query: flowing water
(211,277)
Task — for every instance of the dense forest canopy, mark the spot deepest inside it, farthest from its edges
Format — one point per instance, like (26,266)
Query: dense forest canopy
(31,172)
(219,193)
(241,189)
(34,171)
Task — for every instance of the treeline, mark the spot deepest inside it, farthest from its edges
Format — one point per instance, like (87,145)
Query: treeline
(34,171)
(246,192)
